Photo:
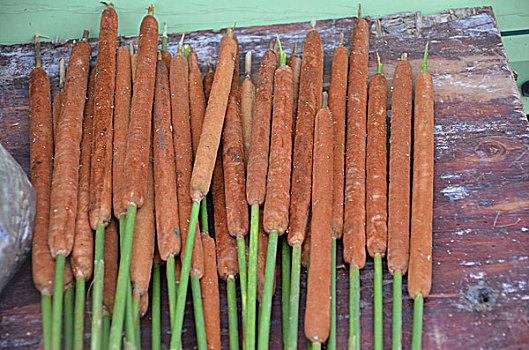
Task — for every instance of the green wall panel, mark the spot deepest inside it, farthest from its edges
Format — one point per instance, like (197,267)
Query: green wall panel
(20,20)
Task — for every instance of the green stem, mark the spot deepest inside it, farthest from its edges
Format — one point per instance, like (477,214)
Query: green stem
(138,335)
(378,343)
(130,331)
(186,55)
(379,65)
(156,308)
(204,225)
(282,55)
(171,286)
(123,280)
(418,306)
(97,291)
(286,258)
(184,279)
(354,308)
(316,345)
(264,325)
(200,326)
(69,297)
(232,313)
(195,285)
(309,343)
(130,336)
(293,308)
(424,67)
(250,326)
(397,311)
(243,276)
(58,284)
(106,332)
(164,37)
(45,301)
(331,342)
(78,337)
(136,316)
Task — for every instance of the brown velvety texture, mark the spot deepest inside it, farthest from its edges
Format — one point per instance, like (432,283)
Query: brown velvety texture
(111,265)
(177,269)
(102,139)
(197,99)
(208,82)
(68,275)
(318,307)
(209,285)
(183,151)
(165,193)
(337,106)
(144,303)
(227,263)
(143,241)
(305,248)
(134,65)
(376,165)
(309,102)
(247,108)
(82,258)
(294,62)
(139,136)
(354,235)
(399,169)
(41,158)
(213,121)
(122,102)
(233,162)
(420,268)
(63,199)
(276,206)
(166,58)
(56,112)
(260,135)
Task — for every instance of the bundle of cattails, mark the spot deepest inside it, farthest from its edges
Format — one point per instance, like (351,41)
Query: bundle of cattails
(124,164)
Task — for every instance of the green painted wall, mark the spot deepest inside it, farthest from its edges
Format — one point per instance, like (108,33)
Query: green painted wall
(20,20)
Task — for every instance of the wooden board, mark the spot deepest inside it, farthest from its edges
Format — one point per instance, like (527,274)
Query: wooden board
(480,293)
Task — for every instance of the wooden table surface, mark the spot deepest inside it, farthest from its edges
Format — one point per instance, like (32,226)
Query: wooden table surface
(480,293)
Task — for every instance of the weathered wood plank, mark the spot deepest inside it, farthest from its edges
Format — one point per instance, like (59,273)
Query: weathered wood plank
(480,293)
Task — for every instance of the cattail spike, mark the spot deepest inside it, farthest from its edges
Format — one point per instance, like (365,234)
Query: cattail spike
(424,67)
(379,65)
(180,45)
(324,99)
(38,59)
(62,74)
(248,64)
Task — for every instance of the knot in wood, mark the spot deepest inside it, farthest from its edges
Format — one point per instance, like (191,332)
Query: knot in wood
(490,150)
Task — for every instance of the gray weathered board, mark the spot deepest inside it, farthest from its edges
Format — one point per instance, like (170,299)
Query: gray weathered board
(480,293)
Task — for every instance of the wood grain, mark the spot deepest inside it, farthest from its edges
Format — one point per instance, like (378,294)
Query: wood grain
(480,293)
